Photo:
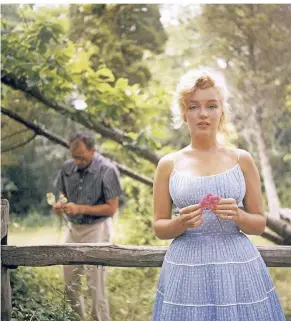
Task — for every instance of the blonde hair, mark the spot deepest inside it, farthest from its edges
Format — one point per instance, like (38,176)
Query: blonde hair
(201,78)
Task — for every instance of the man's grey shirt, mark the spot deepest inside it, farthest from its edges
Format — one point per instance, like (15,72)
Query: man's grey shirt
(98,183)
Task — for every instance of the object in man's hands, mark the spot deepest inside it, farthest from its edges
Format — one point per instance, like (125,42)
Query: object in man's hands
(209,201)
(51,199)
(63,198)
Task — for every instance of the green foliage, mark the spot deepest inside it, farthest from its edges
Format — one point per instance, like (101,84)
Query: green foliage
(17,187)
(131,293)
(122,33)
(42,55)
(38,294)
(37,50)
(132,300)
(281,277)
(183,49)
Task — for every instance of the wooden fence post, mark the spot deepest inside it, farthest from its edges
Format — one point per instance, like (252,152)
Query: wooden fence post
(5,280)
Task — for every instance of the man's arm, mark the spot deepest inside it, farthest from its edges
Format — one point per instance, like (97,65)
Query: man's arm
(107,209)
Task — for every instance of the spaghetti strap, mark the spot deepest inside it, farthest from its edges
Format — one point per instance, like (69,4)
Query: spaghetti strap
(174,161)
(238,155)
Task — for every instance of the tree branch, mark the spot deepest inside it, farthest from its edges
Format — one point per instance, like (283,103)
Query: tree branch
(281,227)
(36,128)
(19,145)
(273,238)
(13,134)
(52,137)
(79,116)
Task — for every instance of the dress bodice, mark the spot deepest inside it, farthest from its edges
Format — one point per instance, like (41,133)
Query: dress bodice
(186,189)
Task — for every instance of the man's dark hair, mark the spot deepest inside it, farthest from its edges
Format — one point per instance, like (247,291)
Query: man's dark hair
(85,137)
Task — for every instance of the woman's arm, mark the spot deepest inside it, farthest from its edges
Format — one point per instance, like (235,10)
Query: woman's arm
(253,220)
(164,226)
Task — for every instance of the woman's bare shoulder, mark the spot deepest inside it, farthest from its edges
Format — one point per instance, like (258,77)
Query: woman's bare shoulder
(238,153)
(241,156)
(167,163)
(245,159)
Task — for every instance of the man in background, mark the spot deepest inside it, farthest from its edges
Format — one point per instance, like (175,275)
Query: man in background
(91,184)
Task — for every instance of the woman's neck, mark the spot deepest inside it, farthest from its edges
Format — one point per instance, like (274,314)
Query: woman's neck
(204,145)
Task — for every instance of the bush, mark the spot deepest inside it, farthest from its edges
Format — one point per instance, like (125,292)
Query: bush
(281,277)
(132,293)
(38,295)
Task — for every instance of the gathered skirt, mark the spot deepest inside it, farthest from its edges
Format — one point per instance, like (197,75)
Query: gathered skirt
(215,277)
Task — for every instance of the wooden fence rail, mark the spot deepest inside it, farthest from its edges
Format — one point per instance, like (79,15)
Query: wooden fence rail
(108,254)
(105,254)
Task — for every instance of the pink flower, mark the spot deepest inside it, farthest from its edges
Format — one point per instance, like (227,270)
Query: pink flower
(209,201)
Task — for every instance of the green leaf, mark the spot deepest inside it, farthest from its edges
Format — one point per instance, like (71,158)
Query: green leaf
(105,74)
(122,83)
(103,87)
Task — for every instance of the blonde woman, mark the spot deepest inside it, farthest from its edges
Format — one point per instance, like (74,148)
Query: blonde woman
(211,272)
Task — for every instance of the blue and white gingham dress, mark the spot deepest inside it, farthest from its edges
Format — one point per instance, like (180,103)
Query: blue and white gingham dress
(213,272)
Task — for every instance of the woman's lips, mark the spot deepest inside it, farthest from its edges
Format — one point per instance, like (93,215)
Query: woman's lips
(203,125)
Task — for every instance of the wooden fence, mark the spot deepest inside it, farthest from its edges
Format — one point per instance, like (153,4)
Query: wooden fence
(105,254)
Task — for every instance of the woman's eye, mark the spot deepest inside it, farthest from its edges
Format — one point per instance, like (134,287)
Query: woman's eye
(212,106)
(193,107)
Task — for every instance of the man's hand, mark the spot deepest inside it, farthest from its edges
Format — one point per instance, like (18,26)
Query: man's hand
(72,208)
(58,208)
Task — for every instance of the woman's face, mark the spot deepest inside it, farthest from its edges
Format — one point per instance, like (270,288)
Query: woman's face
(203,111)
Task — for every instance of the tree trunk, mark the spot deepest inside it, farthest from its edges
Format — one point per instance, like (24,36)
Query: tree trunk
(266,169)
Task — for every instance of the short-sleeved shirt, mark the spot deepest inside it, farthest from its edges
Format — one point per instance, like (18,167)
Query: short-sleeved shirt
(98,183)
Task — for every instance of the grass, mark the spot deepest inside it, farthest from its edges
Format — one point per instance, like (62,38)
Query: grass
(35,236)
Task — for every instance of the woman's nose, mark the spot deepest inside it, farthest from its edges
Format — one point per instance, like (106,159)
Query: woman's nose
(203,112)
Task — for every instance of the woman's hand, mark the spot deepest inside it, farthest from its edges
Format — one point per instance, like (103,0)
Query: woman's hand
(227,209)
(191,216)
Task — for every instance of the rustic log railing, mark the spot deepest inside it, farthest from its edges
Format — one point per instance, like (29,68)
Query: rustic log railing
(105,254)
(5,280)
